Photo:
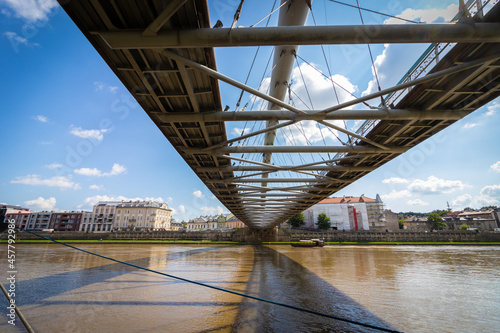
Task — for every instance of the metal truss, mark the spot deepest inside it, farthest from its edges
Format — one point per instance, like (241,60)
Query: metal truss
(168,64)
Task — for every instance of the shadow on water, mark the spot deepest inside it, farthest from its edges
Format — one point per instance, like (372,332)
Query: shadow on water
(37,291)
(276,277)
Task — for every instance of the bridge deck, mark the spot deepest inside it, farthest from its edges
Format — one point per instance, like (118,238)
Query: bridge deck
(163,86)
(159,84)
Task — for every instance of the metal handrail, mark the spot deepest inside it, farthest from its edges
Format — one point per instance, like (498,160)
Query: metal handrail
(436,50)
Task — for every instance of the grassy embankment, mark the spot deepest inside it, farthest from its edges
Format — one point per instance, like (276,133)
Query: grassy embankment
(42,241)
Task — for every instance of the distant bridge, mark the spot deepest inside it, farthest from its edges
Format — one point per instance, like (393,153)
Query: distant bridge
(162,51)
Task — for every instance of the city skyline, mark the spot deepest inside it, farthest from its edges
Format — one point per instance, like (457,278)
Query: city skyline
(73,135)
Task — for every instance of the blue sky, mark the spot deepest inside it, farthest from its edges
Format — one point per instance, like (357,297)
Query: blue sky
(73,135)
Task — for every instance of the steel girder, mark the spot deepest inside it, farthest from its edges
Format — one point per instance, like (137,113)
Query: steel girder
(314,35)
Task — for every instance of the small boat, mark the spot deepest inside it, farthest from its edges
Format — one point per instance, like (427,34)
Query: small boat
(309,243)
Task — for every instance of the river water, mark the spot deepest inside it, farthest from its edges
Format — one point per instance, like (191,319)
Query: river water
(404,288)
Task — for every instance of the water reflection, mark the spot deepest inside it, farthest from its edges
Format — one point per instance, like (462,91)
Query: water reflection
(413,289)
(278,278)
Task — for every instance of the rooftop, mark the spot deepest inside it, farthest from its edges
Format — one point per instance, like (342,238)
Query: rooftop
(346,199)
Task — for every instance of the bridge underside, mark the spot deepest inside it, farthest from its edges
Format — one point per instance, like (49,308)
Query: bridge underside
(184,101)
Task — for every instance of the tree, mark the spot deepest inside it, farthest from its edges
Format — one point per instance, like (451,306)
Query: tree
(464,227)
(488,207)
(441,212)
(468,209)
(323,222)
(297,220)
(435,221)
(401,223)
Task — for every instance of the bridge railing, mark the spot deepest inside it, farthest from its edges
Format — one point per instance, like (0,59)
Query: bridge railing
(435,52)
(422,66)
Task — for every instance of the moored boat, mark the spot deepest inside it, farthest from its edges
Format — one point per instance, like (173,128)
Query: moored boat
(309,243)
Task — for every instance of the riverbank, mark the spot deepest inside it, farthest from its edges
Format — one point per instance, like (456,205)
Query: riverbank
(188,242)
(279,236)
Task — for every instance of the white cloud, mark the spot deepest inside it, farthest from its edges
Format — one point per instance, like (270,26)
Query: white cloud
(238,131)
(417,202)
(489,195)
(310,85)
(89,202)
(96,187)
(100,86)
(492,109)
(485,200)
(491,190)
(212,210)
(396,195)
(469,125)
(86,134)
(426,15)
(53,166)
(41,118)
(117,169)
(57,181)
(88,172)
(307,79)
(15,39)
(495,167)
(41,203)
(182,209)
(31,10)
(395,180)
(198,194)
(435,185)
(461,201)
(311,90)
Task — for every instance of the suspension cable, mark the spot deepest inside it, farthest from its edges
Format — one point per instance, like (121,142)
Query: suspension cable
(331,80)
(371,56)
(268,15)
(373,11)
(333,85)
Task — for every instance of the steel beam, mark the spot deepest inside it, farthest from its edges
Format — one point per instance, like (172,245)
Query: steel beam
(307,35)
(355,135)
(155,26)
(295,149)
(274,180)
(381,114)
(228,80)
(287,168)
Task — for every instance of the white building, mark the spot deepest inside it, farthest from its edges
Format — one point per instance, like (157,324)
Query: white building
(348,213)
(203,223)
(101,219)
(39,220)
(142,215)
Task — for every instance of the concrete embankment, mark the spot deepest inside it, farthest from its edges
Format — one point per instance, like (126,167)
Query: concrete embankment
(281,235)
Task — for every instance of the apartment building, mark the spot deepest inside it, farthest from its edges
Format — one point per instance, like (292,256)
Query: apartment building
(142,215)
(65,221)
